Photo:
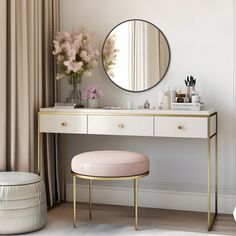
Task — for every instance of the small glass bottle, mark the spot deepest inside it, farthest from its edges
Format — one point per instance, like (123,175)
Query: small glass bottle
(160,99)
(167,99)
(146,104)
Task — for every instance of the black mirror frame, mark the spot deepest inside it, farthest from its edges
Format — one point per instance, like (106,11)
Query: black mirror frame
(167,68)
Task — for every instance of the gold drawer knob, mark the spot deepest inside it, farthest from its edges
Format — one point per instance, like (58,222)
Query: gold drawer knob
(64,124)
(121,126)
(180,127)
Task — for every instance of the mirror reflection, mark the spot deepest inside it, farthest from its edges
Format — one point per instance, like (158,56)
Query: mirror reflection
(136,55)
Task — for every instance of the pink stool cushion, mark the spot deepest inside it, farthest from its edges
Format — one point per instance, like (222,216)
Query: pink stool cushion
(110,164)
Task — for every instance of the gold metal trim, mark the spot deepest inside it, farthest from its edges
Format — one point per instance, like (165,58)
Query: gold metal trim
(39,169)
(154,115)
(209,175)
(136,203)
(211,220)
(65,164)
(216,167)
(39,146)
(213,135)
(213,114)
(109,178)
(74,201)
(90,199)
(123,114)
(91,178)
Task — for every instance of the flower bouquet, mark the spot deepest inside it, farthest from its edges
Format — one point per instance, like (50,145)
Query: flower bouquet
(109,54)
(75,57)
(91,94)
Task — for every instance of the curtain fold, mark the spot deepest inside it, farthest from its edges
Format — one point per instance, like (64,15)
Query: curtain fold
(143,55)
(27,83)
(3,87)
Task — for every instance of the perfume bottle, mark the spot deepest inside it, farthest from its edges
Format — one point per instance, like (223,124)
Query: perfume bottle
(146,104)
(167,99)
(160,99)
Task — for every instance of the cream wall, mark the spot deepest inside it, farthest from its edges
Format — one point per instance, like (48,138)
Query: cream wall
(200,34)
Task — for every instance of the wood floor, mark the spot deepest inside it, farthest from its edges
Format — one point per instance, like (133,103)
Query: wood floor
(148,218)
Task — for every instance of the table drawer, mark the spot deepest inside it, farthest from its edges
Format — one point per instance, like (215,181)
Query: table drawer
(183,127)
(74,124)
(121,125)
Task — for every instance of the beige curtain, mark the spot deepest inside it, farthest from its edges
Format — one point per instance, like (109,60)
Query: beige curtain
(164,55)
(27,83)
(3,85)
(144,54)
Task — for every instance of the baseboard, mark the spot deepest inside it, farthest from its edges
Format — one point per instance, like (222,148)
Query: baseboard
(188,201)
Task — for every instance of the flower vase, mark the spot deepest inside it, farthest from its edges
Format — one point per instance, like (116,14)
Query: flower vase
(75,95)
(93,103)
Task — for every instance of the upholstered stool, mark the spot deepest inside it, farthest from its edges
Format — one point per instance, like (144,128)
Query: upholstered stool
(23,205)
(109,165)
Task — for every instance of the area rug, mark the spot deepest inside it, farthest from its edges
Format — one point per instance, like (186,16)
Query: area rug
(91,229)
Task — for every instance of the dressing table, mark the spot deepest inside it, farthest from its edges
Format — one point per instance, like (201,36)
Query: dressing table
(152,123)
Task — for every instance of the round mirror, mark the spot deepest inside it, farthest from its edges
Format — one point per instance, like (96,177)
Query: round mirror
(136,55)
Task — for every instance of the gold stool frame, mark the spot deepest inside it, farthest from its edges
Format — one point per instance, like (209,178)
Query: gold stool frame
(91,178)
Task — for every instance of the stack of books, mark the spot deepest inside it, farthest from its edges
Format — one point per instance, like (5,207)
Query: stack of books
(64,105)
(186,106)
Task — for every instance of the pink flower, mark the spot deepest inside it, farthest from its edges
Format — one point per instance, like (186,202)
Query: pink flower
(77,66)
(73,66)
(67,37)
(78,37)
(59,76)
(84,55)
(60,59)
(74,53)
(109,55)
(59,37)
(92,92)
(57,47)
(96,53)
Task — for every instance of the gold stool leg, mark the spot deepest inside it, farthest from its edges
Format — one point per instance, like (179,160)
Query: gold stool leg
(136,203)
(74,200)
(90,199)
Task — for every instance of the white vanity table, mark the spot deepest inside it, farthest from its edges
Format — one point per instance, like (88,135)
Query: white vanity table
(154,123)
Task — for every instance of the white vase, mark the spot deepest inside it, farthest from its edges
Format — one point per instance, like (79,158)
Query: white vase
(93,103)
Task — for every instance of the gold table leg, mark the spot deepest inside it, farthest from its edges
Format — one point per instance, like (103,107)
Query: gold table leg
(209,178)
(91,178)
(210,221)
(216,169)
(136,203)
(39,146)
(74,200)
(65,165)
(64,157)
(90,199)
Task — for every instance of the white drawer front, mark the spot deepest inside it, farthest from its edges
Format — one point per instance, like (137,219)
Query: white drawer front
(184,127)
(120,125)
(74,124)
